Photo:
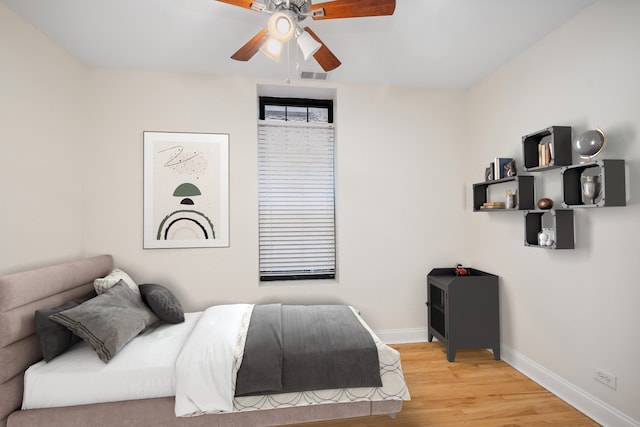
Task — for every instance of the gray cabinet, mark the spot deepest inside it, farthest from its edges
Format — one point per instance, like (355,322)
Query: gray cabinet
(463,312)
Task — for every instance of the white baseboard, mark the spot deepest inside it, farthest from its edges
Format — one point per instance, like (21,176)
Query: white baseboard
(590,405)
(403,336)
(574,396)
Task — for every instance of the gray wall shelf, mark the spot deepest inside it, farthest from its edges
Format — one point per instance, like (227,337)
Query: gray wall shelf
(562,226)
(523,183)
(560,139)
(612,178)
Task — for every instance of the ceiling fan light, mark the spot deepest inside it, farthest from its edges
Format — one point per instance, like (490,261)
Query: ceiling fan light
(272,48)
(307,44)
(282,26)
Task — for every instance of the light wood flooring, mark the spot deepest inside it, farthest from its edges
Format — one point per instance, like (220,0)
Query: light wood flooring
(475,391)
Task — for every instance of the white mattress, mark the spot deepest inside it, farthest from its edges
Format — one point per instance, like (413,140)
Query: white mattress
(145,368)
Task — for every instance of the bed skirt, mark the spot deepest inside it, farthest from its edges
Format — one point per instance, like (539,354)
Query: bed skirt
(159,412)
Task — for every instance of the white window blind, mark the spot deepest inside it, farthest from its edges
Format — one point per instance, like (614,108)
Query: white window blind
(296,200)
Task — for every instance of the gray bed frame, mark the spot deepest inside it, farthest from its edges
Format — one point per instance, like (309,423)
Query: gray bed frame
(22,293)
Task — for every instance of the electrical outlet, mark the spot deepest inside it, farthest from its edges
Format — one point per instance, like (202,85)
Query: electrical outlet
(604,377)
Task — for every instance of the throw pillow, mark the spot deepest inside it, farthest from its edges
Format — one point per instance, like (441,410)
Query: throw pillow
(54,338)
(109,321)
(104,283)
(162,302)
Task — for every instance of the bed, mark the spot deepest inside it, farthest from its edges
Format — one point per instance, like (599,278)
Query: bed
(21,294)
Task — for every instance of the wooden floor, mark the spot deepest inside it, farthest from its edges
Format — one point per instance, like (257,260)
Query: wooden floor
(475,391)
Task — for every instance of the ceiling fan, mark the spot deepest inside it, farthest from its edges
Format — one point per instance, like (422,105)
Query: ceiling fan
(284,24)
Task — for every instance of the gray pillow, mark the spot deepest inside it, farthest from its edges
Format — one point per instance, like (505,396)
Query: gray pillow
(109,321)
(54,338)
(162,302)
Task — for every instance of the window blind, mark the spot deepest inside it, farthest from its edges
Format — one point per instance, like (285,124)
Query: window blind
(296,200)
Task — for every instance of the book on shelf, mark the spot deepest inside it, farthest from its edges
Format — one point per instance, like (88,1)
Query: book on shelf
(498,164)
(493,205)
(545,153)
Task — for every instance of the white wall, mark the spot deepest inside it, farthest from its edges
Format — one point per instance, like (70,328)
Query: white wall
(42,139)
(394,146)
(568,311)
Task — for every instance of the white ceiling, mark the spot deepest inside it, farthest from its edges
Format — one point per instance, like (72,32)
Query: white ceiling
(427,43)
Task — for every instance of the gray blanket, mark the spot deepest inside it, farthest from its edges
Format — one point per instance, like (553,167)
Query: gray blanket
(292,348)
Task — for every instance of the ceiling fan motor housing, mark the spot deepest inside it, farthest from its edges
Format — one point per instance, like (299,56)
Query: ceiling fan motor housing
(300,8)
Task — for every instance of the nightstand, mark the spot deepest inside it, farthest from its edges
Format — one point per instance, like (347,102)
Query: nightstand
(463,311)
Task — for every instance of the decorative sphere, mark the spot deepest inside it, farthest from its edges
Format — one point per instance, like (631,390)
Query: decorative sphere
(589,143)
(544,203)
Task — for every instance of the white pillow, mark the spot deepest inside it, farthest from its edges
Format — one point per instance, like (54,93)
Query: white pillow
(104,283)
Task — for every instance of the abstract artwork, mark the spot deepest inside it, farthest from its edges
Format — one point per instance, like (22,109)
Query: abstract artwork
(186,190)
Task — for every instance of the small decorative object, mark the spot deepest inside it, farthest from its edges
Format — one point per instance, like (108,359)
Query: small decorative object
(510,169)
(591,187)
(488,174)
(460,270)
(546,237)
(589,144)
(544,203)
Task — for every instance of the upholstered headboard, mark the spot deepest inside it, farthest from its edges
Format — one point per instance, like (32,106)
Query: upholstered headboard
(21,294)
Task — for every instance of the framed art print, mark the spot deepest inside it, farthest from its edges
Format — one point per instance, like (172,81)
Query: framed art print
(186,190)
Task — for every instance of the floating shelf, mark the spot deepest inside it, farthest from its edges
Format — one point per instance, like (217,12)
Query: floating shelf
(559,137)
(557,141)
(612,181)
(562,227)
(524,185)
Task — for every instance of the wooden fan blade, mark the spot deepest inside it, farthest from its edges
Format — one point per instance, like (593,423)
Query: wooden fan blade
(352,8)
(324,56)
(240,3)
(250,48)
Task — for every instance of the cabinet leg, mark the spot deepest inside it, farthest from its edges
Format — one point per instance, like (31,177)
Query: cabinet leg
(430,337)
(496,352)
(451,354)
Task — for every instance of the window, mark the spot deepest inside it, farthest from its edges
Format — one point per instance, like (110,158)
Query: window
(296,189)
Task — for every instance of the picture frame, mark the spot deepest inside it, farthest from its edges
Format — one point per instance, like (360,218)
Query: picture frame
(186,190)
